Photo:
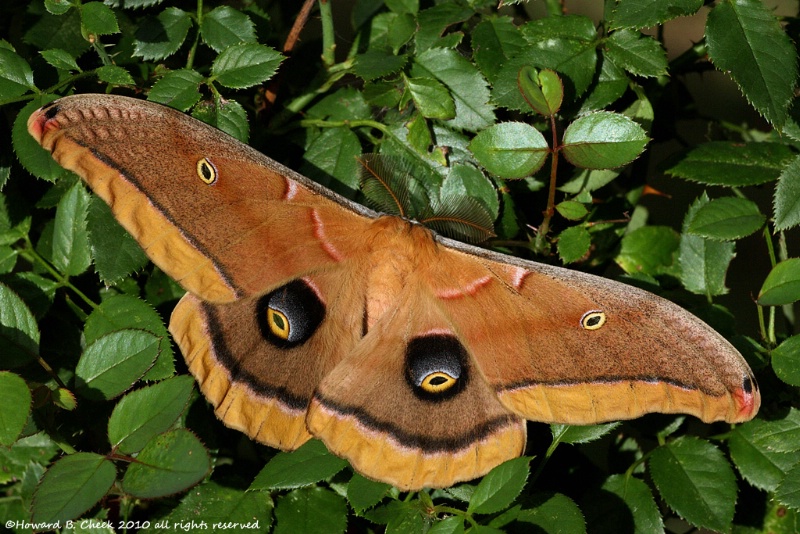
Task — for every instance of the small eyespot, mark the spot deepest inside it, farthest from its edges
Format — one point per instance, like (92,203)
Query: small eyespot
(593,320)
(278,324)
(206,171)
(437,382)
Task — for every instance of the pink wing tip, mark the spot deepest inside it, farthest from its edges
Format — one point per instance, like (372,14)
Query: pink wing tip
(747,399)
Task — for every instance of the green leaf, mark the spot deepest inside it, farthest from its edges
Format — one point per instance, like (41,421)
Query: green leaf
(588,180)
(245,65)
(645,13)
(120,312)
(726,218)
(178,89)
(573,243)
(500,487)
(648,250)
(15,397)
(146,412)
(637,54)
(572,210)
(33,157)
(58,31)
(60,59)
(467,86)
(132,4)
(116,253)
(765,451)
(310,511)
(704,263)
(363,493)
(16,76)
(114,75)
(786,360)
(733,164)
(542,91)
(495,40)
(640,503)
(746,40)
(70,246)
(449,525)
(225,26)
(510,149)
(309,464)
(581,433)
(610,85)
(19,332)
(554,513)
(331,159)
(162,36)
(219,505)
(696,481)
(57,7)
(111,364)
(169,463)
(788,492)
(787,197)
(432,23)
(782,285)
(227,115)
(603,140)
(431,98)
(98,19)
(374,64)
(71,486)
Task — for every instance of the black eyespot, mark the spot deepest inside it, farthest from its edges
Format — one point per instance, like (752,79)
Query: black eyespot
(206,171)
(593,320)
(51,110)
(436,366)
(290,315)
(749,384)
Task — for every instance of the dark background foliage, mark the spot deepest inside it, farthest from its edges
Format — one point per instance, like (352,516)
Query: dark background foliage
(706,216)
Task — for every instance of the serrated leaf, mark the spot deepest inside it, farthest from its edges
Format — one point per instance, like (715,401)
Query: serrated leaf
(788,492)
(641,505)
(226,115)
(19,332)
(142,414)
(111,364)
(225,26)
(765,451)
(70,246)
(500,487)
(645,13)
(16,76)
(71,486)
(245,65)
(57,7)
(733,164)
(374,64)
(495,40)
(782,285)
(58,31)
(309,464)
(572,210)
(116,253)
(431,98)
(60,59)
(467,87)
(603,140)
(573,243)
(611,84)
(696,481)
(704,263)
(311,511)
(510,149)
(726,218)
(114,75)
(363,493)
(331,159)
(581,433)
(787,197)
(98,19)
(162,36)
(637,54)
(786,360)
(745,40)
(178,89)
(169,463)
(554,512)
(648,250)
(15,397)
(543,90)
(433,22)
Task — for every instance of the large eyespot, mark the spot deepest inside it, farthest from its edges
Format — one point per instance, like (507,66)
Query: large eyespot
(290,315)
(206,171)
(593,320)
(436,366)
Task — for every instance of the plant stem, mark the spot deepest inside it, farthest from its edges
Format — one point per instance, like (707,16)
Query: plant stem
(540,245)
(328,34)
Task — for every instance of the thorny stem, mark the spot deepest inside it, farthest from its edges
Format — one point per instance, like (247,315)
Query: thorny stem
(540,245)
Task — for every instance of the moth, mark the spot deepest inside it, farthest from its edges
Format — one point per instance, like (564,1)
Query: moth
(416,357)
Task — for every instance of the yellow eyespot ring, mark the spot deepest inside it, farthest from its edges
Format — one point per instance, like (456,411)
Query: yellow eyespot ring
(206,171)
(593,320)
(437,382)
(278,324)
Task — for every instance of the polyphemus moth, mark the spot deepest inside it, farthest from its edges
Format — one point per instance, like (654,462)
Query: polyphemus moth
(416,357)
